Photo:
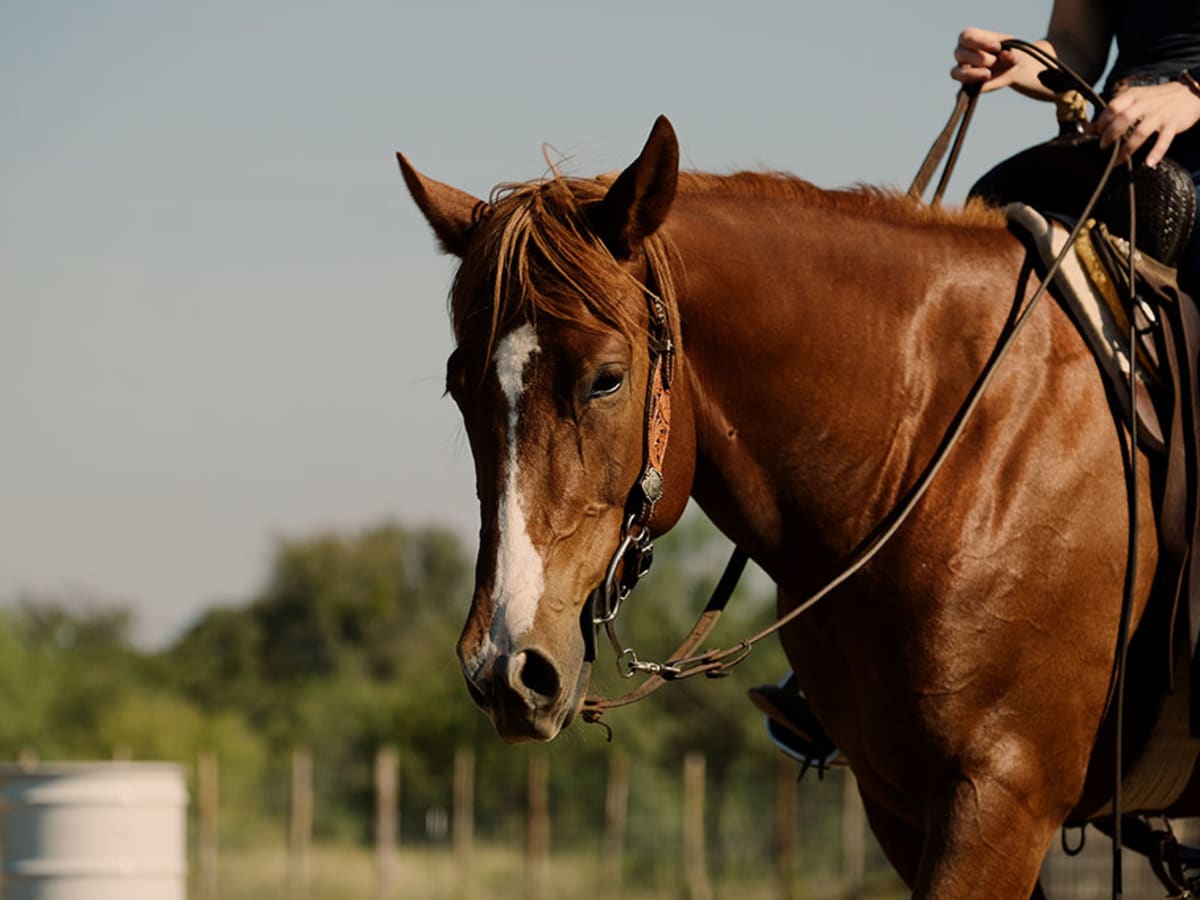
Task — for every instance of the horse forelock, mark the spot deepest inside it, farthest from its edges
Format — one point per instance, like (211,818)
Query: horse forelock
(537,256)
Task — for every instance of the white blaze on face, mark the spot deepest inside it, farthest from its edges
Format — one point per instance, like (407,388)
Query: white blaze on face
(519,571)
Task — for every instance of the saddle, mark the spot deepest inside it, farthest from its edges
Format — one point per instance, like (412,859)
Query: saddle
(1088,287)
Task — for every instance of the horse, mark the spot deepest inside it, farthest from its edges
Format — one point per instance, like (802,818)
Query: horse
(823,341)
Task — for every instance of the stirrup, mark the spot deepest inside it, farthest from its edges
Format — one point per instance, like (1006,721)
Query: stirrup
(1171,864)
(792,727)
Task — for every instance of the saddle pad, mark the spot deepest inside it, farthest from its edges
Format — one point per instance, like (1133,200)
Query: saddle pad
(1090,298)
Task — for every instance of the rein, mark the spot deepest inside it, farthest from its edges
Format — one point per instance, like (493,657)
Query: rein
(635,550)
(634,554)
(1117,682)
(716,663)
(964,109)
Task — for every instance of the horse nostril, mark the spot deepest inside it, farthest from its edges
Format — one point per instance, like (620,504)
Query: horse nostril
(539,675)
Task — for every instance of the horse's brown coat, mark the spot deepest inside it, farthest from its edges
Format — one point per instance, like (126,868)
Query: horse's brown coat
(827,340)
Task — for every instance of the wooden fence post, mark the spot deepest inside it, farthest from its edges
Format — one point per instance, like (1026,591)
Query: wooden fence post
(854,851)
(538,846)
(785,827)
(207,805)
(464,819)
(387,794)
(616,815)
(695,871)
(300,834)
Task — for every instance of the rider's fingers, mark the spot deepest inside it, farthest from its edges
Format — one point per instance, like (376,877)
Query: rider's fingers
(1113,124)
(1132,138)
(970,74)
(976,58)
(980,39)
(1162,143)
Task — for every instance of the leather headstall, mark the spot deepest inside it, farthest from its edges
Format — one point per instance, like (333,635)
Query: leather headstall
(635,552)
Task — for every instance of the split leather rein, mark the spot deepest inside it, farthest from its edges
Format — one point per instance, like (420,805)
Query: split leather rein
(634,552)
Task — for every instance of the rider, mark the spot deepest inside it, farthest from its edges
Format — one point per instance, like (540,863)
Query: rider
(1153,94)
(1153,89)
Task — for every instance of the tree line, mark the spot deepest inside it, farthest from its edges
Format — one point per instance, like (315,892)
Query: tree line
(348,646)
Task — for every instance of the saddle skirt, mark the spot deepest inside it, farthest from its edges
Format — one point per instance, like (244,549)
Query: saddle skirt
(1087,291)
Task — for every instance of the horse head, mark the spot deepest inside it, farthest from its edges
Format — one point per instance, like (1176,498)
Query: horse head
(552,310)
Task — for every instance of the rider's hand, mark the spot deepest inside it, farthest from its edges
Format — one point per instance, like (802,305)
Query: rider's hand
(981,61)
(1158,111)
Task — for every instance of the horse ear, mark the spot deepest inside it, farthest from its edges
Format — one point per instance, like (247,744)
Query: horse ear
(454,214)
(639,200)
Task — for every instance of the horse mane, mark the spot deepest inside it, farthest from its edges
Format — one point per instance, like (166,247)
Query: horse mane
(536,253)
(868,201)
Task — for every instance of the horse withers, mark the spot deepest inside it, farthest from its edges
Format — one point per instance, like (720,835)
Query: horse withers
(823,342)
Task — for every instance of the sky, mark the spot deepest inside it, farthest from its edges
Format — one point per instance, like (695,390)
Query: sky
(222,319)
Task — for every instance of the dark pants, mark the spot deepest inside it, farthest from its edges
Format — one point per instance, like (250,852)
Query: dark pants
(1186,151)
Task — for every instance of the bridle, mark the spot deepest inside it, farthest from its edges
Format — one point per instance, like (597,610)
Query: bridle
(635,552)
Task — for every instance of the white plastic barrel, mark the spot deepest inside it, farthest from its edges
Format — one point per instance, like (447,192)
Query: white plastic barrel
(94,831)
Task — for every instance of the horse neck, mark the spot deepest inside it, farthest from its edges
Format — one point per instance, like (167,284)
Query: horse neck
(826,353)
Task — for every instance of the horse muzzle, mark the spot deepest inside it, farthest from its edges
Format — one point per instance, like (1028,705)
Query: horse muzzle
(524,695)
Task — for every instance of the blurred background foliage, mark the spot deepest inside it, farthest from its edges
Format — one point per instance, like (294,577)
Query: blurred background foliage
(348,646)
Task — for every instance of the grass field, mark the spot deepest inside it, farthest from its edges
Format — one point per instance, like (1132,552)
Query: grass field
(343,872)
(348,873)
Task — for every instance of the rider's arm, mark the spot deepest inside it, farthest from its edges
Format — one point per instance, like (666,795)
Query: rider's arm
(1079,34)
(1146,115)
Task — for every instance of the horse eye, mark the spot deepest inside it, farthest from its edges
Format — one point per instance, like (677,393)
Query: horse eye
(608,382)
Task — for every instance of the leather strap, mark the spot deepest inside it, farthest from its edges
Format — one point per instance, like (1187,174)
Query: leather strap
(658,432)
(960,118)
(594,707)
(649,487)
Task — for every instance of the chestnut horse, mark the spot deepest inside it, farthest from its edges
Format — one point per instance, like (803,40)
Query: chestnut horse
(825,340)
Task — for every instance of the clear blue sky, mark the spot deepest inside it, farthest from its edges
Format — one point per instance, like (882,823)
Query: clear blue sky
(221,318)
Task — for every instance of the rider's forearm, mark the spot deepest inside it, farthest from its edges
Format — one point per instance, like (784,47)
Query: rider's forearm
(1026,70)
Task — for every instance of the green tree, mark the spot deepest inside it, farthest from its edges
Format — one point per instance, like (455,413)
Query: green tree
(216,661)
(30,682)
(359,605)
(348,646)
(71,665)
